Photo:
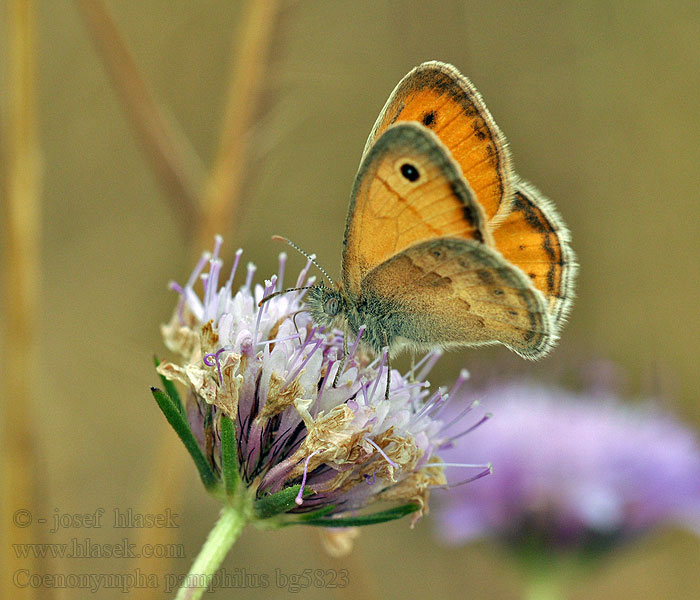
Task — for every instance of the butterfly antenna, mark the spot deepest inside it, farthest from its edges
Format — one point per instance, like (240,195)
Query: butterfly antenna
(266,298)
(311,257)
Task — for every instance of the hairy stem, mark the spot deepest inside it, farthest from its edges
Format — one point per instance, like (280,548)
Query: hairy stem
(219,541)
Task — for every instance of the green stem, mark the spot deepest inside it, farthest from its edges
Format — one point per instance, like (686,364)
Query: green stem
(219,541)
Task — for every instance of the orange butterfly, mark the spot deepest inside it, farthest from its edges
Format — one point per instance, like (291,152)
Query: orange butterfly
(444,244)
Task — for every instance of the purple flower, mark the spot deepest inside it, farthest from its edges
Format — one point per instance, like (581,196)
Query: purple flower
(572,471)
(300,444)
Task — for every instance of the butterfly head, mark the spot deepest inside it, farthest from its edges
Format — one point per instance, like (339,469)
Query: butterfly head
(328,305)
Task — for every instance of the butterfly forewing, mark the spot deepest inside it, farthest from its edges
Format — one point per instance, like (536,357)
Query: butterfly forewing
(407,190)
(441,98)
(453,292)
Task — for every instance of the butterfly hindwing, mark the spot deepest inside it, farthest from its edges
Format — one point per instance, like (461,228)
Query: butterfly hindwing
(452,292)
(438,96)
(407,190)
(534,238)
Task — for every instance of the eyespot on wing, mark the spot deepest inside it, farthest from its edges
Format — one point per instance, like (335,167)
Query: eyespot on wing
(440,98)
(408,190)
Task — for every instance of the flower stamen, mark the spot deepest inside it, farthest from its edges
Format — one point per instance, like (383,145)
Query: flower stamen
(351,354)
(249,276)
(211,284)
(294,336)
(234,268)
(269,286)
(440,405)
(391,462)
(317,404)
(302,347)
(304,272)
(175,286)
(448,486)
(207,360)
(460,415)
(380,368)
(190,282)
(299,499)
(280,270)
(440,397)
(481,421)
(306,360)
(427,363)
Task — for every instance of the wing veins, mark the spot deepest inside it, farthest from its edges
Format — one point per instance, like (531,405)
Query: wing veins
(472,167)
(413,99)
(426,221)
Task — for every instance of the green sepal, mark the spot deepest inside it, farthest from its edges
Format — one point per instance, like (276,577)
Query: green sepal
(182,428)
(371,519)
(279,502)
(229,458)
(315,514)
(170,389)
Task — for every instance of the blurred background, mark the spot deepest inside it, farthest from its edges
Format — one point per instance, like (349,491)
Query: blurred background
(598,101)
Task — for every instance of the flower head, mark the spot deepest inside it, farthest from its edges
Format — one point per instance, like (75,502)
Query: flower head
(264,410)
(573,471)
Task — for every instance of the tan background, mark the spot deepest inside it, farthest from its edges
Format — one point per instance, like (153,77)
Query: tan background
(599,102)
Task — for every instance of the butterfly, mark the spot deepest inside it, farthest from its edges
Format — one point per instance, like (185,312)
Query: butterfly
(444,244)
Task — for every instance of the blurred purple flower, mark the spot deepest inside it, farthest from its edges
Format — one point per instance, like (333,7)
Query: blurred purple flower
(270,369)
(572,471)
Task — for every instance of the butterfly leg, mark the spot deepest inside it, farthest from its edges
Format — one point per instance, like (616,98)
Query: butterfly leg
(294,320)
(345,356)
(388,366)
(388,375)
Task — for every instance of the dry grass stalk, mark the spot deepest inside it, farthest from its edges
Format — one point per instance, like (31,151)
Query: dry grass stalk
(204,211)
(172,157)
(21,268)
